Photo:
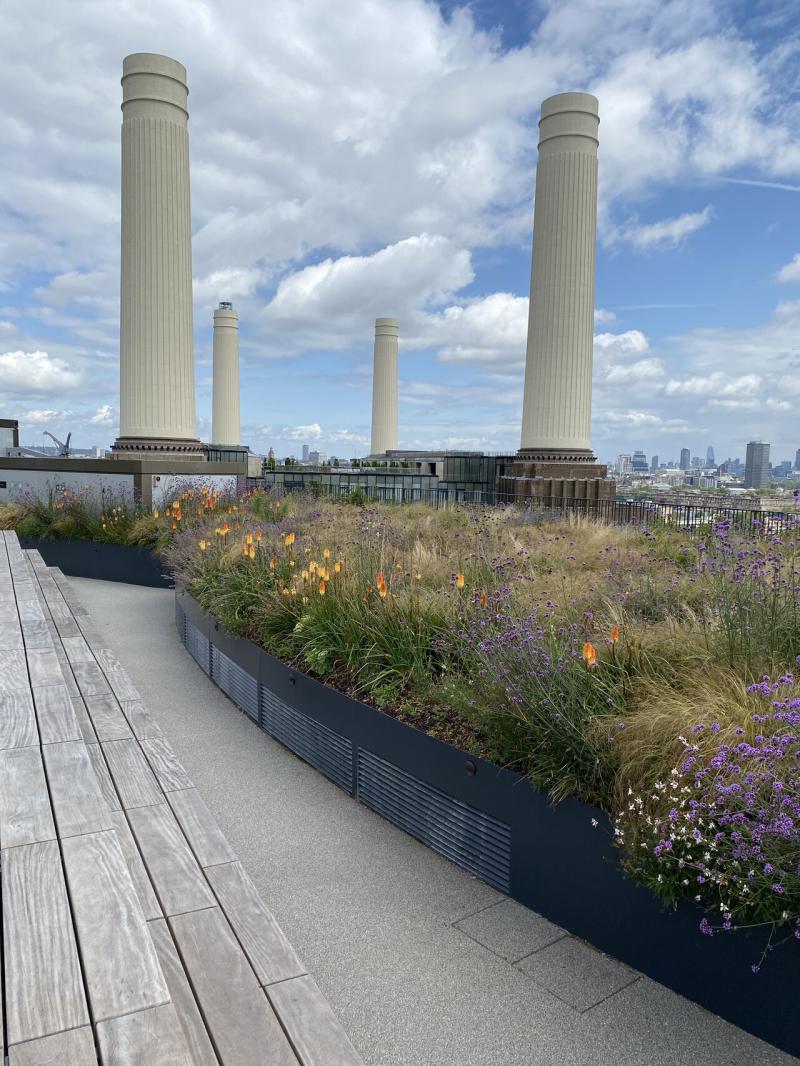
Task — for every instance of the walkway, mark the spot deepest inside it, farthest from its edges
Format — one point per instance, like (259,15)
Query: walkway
(422,964)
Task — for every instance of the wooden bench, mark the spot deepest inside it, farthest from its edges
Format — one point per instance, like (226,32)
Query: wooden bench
(132,935)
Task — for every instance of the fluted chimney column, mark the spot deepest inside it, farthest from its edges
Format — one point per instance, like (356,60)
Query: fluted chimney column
(157,388)
(557,407)
(225,425)
(384,386)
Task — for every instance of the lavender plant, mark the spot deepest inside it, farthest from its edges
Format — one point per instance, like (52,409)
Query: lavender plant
(724,828)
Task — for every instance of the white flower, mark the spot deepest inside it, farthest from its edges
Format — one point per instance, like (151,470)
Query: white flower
(595,823)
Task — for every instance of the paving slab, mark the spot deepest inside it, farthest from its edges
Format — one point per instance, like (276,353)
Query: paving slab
(370,911)
(510,930)
(577,973)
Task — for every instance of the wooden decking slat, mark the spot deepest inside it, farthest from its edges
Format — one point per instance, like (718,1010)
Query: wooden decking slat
(25,815)
(74,1048)
(17,720)
(180,990)
(78,803)
(37,634)
(134,780)
(171,775)
(44,667)
(116,674)
(119,960)
(90,679)
(151,1036)
(140,720)
(178,880)
(204,835)
(313,1028)
(268,950)
(84,721)
(57,719)
(14,674)
(44,991)
(100,767)
(243,1026)
(108,720)
(141,881)
(76,648)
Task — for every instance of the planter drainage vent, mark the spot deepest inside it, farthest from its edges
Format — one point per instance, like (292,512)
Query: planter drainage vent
(235,682)
(329,752)
(197,645)
(180,620)
(465,835)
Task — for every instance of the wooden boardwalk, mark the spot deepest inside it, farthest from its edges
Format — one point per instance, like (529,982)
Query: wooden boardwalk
(132,936)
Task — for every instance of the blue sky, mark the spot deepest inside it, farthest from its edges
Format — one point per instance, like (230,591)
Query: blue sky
(378,158)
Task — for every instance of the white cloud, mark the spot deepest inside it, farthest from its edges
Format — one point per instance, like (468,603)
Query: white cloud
(668,233)
(311,432)
(790,272)
(7,327)
(43,418)
(716,385)
(337,301)
(603,317)
(103,416)
(25,373)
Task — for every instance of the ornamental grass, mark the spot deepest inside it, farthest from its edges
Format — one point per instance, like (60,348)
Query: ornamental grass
(612,664)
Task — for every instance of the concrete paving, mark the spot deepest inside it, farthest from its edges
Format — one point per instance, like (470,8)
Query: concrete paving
(423,964)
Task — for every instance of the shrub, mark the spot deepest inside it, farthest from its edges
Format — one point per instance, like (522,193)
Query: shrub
(723,827)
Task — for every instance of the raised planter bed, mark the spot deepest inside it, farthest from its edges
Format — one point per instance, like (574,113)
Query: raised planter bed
(493,823)
(107,562)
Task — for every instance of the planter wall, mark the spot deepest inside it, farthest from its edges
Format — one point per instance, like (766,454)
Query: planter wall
(495,824)
(107,562)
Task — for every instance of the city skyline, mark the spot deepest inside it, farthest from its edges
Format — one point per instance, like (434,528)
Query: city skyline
(406,192)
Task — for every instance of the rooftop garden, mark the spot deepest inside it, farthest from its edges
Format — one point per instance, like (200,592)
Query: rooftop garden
(646,672)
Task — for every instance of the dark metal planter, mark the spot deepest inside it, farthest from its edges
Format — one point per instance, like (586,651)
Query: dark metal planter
(107,562)
(493,823)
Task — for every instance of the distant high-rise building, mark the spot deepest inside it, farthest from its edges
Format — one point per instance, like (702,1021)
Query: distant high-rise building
(654,463)
(639,463)
(685,458)
(697,462)
(623,463)
(756,467)
(797,459)
(306,450)
(710,460)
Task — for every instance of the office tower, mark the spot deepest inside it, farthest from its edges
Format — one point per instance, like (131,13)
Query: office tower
(685,458)
(756,469)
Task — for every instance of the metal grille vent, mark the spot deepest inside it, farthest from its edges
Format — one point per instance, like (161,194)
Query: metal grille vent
(329,752)
(197,645)
(180,620)
(235,682)
(469,837)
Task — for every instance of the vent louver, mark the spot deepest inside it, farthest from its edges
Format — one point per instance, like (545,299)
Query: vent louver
(470,838)
(329,752)
(197,645)
(235,682)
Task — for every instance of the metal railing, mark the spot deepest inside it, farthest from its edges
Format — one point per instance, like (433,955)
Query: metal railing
(690,518)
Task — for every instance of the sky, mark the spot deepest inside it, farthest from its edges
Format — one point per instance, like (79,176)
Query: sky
(377,158)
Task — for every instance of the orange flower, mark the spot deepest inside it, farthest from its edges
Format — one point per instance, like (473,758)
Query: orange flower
(251,551)
(337,568)
(326,553)
(304,575)
(589,654)
(259,535)
(289,539)
(248,538)
(383,592)
(483,599)
(380,580)
(203,545)
(273,563)
(459,581)
(322,587)
(614,634)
